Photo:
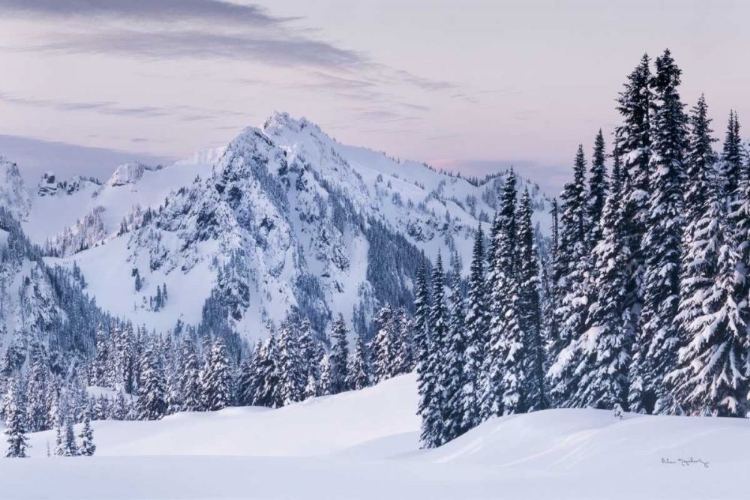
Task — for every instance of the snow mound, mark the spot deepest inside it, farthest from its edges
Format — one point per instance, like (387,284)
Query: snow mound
(321,426)
(364,445)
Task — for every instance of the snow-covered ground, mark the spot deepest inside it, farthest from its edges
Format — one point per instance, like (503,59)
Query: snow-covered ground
(363,445)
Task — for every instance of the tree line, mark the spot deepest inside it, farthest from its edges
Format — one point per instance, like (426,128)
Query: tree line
(643,303)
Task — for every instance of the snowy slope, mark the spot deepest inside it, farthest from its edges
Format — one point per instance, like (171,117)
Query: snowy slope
(364,445)
(283,217)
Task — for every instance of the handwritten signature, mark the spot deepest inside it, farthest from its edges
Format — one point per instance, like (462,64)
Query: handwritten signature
(685,462)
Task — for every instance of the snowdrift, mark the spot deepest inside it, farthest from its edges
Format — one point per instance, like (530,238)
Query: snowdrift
(364,445)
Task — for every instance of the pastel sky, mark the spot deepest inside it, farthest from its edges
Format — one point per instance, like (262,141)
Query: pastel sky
(469,85)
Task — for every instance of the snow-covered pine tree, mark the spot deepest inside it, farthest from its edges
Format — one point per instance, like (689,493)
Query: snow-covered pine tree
(712,378)
(339,356)
(216,378)
(505,371)
(605,346)
(152,403)
(422,302)
(36,390)
(269,376)
(101,361)
(597,192)
(243,391)
(385,345)
(731,161)
(171,376)
(431,387)
(555,267)
(360,369)
(404,362)
(529,308)
(633,145)
(325,376)
(190,376)
(69,446)
(477,327)
(574,263)
(310,365)
(15,420)
(705,221)
(87,447)
(654,353)
(293,379)
(454,360)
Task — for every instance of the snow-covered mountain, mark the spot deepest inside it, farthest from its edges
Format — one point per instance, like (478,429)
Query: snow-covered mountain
(283,217)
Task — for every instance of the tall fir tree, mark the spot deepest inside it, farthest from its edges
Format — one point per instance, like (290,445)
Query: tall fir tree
(152,404)
(597,191)
(190,376)
(712,377)
(605,346)
(431,389)
(454,360)
(633,148)
(573,261)
(404,362)
(654,353)
(339,356)
(505,371)
(529,308)
(360,369)
(477,328)
(293,378)
(216,378)
(385,345)
(15,421)
(268,375)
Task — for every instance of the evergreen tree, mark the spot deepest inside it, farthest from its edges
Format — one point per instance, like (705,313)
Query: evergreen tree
(69,446)
(432,382)
(339,356)
(574,263)
(529,308)
(731,162)
(553,318)
(477,325)
(404,362)
(385,345)
(360,370)
(422,302)
(654,355)
(15,424)
(454,360)
(597,192)
(505,371)
(711,377)
(633,146)
(605,346)
(293,379)
(269,376)
(245,379)
(216,378)
(36,390)
(190,376)
(87,447)
(152,403)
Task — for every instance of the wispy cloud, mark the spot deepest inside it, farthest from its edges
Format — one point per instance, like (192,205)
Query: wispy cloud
(164,10)
(189,113)
(380,115)
(424,83)
(290,51)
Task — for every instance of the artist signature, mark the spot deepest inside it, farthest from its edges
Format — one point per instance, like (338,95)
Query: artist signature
(685,462)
